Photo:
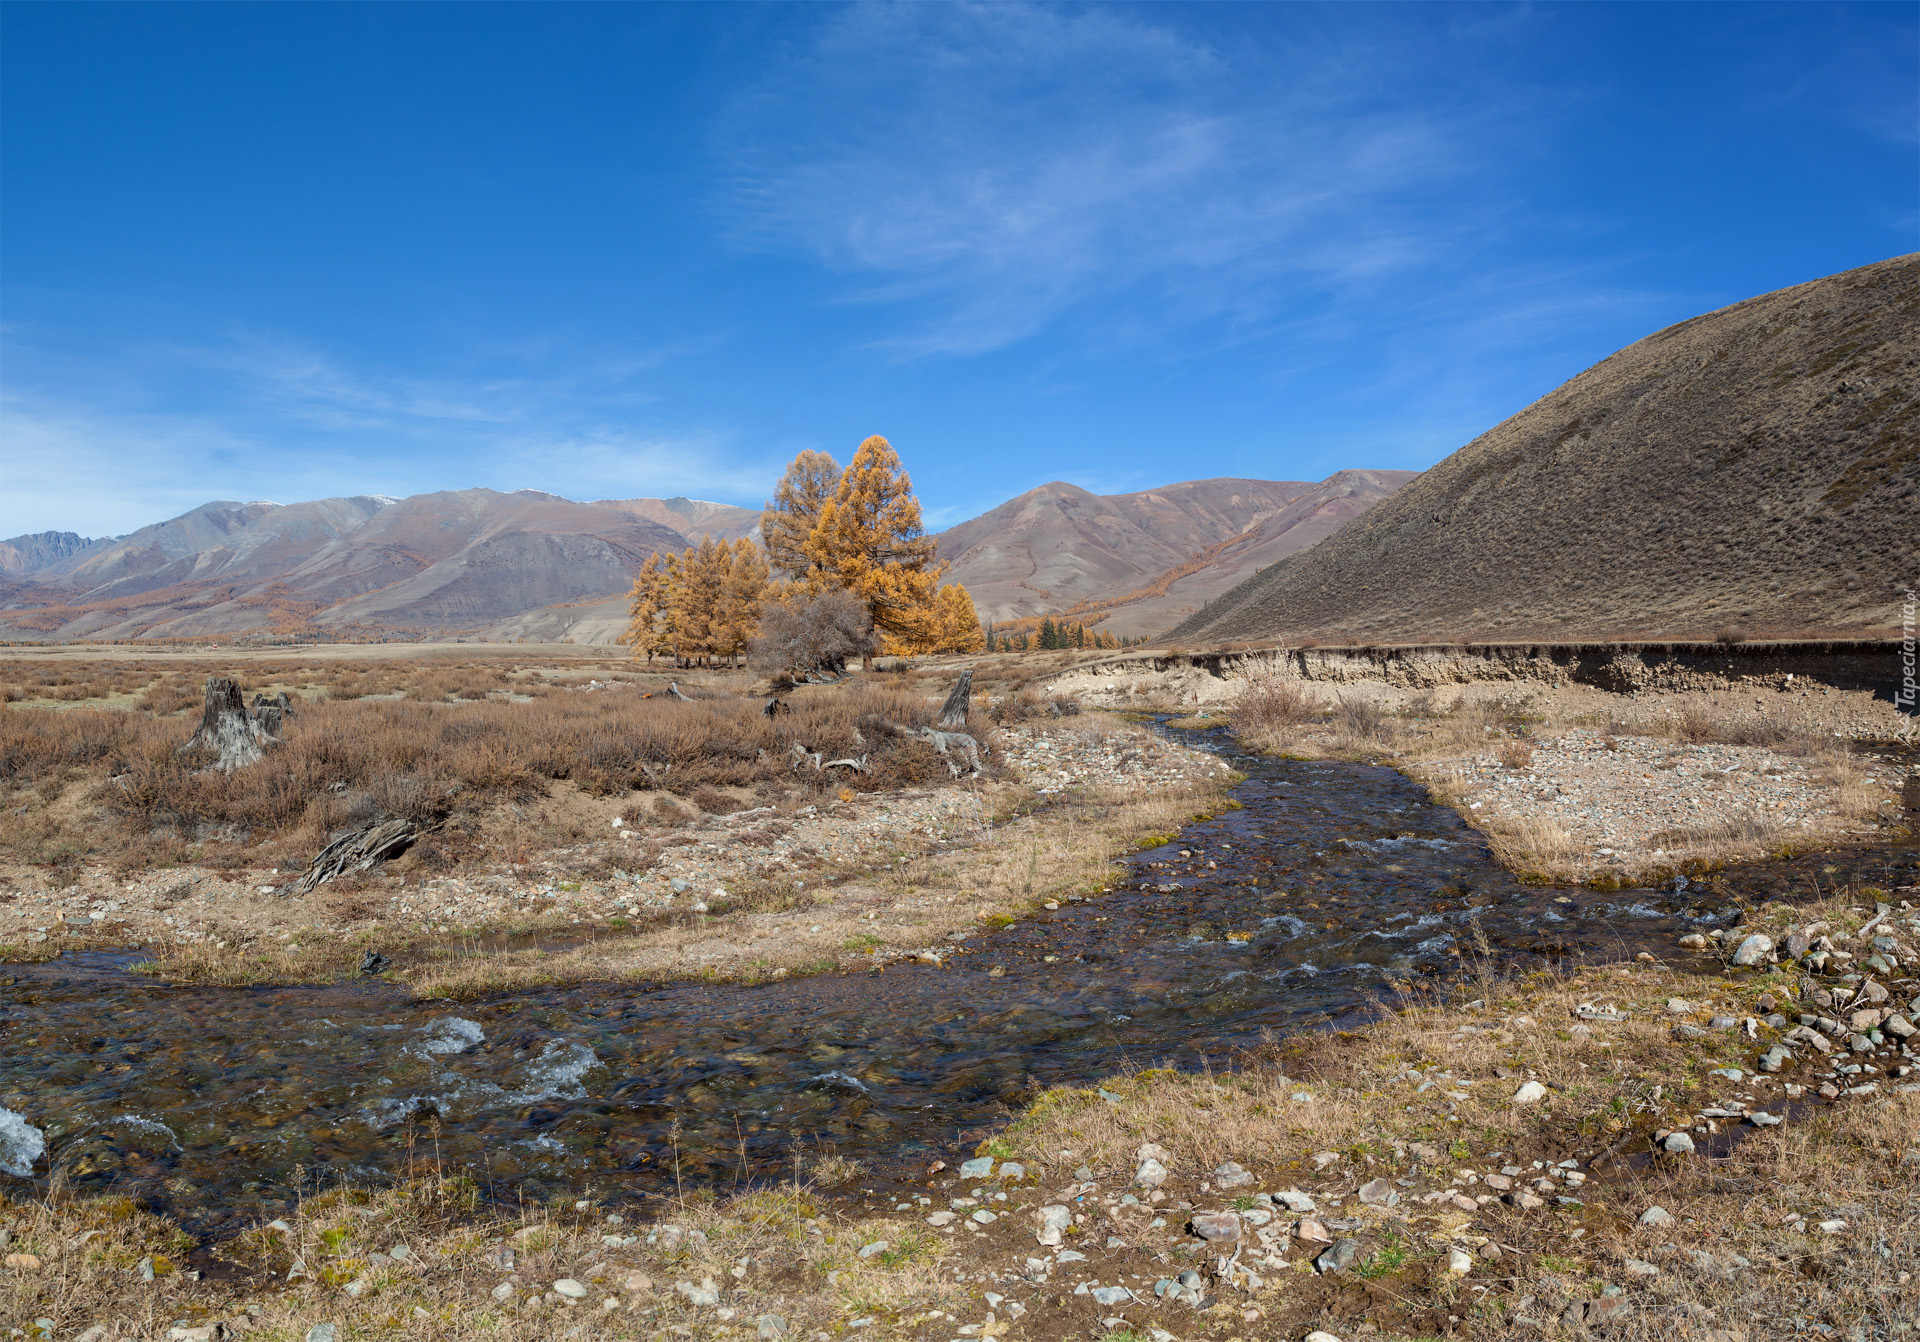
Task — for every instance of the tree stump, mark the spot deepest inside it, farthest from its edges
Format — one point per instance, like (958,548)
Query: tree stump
(953,715)
(236,737)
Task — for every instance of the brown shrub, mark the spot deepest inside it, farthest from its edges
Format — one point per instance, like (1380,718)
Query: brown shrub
(349,762)
(1266,700)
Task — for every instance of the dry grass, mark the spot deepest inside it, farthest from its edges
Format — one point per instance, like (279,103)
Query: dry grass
(360,761)
(771,1251)
(783,926)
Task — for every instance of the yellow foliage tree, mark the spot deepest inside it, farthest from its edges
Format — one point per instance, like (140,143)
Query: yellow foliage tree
(649,607)
(955,625)
(869,540)
(788,522)
(698,605)
(746,596)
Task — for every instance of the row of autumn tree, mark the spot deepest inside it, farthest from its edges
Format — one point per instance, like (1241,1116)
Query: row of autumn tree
(856,531)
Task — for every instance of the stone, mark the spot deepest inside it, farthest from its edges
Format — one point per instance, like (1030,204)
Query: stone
(1530,1093)
(1499,1183)
(769,1325)
(1774,1059)
(1756,949)
(1317,1335)
(1866,1019)
(983,1217)
(981,1167)
(879,1246)
(1049,1224)
(1656,1216)
(1693,941)
(1216,1227)
(1765,1120)
(637,1281)
(1230,1176)
(1151,1173)
(1338,1257)
(706,1293)
(1295,1201)
(1677,1144)
(322,1332)
(943,1218)
(1379,1193)
(1683,1030)
(1013,1169)
(1459,1262)
(1311,1230)
(1640,1268)
(1424,1153)
(1898,1026)
(1525,1201)
(573,1290)
(502,1293)
(1153,1151)
(1679,1006)
(23,1262)
(1109,1296)
(1069,1256)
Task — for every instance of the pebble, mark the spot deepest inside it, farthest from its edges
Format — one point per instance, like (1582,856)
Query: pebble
(1338,1257)
(706,1293)
(1459,1262)
(570,1288)
(1050,1224)
(1151,1173)
(1379,1193)
(1677,1143)
(1656,1216)
(979,1168)
(1217,1227)
(1231,1176)
(1756,949)
(877,1247)
(1530,1093)
(1295,1201)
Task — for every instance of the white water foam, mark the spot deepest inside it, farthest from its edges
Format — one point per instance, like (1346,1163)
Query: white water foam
(20,1144)
(448,1034)
(555,1075)
(151,1126)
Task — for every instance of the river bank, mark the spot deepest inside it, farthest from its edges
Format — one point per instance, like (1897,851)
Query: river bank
(1335,984)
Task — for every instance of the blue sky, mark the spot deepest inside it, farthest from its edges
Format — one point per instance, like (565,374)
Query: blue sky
(289,251)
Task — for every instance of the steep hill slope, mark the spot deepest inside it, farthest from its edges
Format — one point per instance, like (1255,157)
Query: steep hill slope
(1140,560)
(1756,466)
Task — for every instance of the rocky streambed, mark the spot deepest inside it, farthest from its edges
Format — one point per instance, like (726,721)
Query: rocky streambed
(1331,885)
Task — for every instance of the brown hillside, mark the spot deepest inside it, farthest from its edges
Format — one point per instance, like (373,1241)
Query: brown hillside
(1140,560)
(1752,467)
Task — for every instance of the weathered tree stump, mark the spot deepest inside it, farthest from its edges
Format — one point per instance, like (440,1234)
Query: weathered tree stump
(953,715)
(236,737)
(357,850)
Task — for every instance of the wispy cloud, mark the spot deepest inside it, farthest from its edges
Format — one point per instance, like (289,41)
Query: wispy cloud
(1000,166)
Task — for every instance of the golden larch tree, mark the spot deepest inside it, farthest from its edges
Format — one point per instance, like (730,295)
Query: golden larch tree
(745,598)
(869,540)
(787,525)
(956,625)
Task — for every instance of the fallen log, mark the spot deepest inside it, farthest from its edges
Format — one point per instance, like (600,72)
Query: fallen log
(357,850)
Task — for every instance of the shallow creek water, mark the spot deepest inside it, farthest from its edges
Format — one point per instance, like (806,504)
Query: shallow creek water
(1334,882)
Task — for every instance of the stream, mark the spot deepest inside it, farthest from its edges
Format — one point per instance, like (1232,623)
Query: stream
(1335,882)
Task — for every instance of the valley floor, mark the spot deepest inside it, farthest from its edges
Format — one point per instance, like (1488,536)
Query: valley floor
(1715,1143)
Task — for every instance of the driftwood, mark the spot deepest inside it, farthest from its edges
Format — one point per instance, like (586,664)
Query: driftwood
(958,743)
(236,736)
(800,755)
(357,850)
(953,715)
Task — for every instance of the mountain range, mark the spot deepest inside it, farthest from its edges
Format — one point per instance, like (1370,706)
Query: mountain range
(1753,469)
(479,563)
